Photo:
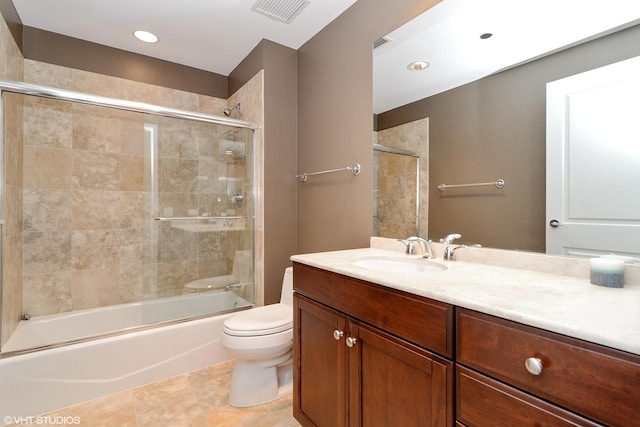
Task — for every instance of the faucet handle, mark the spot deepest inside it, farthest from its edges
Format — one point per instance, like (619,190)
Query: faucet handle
(449,238)
(427,252)
(409,244)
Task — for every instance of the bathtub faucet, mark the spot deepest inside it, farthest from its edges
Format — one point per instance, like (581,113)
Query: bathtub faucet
(233,287)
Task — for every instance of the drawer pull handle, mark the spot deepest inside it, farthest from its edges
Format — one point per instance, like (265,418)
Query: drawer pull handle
(337,334)
(534,365)
(351,341)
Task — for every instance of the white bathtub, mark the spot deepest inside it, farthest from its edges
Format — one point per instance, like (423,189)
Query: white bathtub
(50,379)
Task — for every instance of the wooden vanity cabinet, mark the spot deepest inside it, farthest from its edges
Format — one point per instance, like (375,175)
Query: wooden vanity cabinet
(586,384)
(353,368)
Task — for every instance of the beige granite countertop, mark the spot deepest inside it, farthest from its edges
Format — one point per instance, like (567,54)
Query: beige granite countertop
(558,299)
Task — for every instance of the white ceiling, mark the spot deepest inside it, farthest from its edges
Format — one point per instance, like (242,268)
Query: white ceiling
(448,37)
(212,35)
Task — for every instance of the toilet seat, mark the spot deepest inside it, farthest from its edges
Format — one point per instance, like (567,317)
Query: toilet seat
(266,320)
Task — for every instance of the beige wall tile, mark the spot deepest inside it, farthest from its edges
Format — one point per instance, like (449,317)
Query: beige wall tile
(47,167)
(47,74)
(47,293)
(47,210)
(178,176)
(96,129)
(95,170)
(47,123)
(94,288)
(47,252)
(91,249)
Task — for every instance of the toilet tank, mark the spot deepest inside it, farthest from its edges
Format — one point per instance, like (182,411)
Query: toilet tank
(286,296)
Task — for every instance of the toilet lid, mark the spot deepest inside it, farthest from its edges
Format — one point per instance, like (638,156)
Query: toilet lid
(269,319)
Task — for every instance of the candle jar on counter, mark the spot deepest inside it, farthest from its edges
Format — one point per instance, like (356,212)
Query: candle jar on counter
(607,272)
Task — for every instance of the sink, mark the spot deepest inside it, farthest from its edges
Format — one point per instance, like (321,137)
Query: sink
(399,265)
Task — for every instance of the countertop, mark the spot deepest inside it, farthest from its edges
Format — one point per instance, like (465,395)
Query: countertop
(559,303)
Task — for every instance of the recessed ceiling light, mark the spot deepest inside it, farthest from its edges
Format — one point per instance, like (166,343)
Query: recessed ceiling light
(145,36)
(417,65)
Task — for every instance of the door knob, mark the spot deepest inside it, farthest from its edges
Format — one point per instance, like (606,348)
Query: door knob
(554,223)
(351,341)
(337,334)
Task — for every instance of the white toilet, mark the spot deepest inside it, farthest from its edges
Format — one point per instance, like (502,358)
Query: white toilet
(261,341)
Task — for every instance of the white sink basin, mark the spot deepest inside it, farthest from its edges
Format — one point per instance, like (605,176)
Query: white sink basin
(399,265)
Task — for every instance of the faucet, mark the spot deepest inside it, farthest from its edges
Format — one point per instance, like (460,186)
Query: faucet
(449,250)
(426,246)
(232,287)
(449,238)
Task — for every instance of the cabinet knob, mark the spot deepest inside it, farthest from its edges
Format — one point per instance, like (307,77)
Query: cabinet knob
(337,334)
(351,341)
(534,365)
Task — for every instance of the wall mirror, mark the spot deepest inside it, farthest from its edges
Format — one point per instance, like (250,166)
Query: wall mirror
(487,64)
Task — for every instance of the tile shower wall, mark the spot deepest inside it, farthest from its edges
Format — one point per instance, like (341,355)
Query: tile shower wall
(395,181)
(84,210)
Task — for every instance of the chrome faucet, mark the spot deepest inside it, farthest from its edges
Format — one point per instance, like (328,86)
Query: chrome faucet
(426,246)
(232,287)
(448,239)
(449,250)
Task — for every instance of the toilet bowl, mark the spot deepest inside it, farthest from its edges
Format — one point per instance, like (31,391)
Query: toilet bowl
(261,341)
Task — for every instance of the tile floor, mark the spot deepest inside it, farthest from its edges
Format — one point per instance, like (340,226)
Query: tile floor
(194,399)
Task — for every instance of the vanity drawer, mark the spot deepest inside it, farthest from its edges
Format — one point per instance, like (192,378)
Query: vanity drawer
(481,401)
(424,322)
(597,382)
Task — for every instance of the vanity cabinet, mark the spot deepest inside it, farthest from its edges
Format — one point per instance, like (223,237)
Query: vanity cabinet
(365,354)
(519,375)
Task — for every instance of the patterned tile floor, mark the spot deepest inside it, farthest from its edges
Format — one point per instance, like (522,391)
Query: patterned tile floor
(194,399)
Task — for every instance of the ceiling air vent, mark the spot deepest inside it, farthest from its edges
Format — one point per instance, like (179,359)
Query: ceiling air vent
(282,10)
(381,42)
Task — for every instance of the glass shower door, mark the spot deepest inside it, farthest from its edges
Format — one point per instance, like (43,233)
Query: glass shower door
(200,239)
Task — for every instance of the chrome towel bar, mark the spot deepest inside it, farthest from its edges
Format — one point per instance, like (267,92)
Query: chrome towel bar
(498,183)
(355,170)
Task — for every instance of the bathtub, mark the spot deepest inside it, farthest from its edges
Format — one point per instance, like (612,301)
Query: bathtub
(53,378)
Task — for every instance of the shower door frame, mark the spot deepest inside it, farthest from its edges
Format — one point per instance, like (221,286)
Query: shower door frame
(21,88)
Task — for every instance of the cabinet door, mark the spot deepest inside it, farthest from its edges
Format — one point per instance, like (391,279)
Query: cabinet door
(394,383)
(320,365)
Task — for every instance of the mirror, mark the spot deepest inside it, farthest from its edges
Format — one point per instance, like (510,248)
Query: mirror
(485,100)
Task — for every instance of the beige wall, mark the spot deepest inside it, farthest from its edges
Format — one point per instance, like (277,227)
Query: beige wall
(279,163)
(335,123)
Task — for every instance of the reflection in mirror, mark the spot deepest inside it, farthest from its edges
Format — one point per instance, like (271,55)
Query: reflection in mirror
(495,126)
(400,180)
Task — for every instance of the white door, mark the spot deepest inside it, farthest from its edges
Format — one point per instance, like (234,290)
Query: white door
(593,162)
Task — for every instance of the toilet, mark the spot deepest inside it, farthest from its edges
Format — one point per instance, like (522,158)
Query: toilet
(261,341)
